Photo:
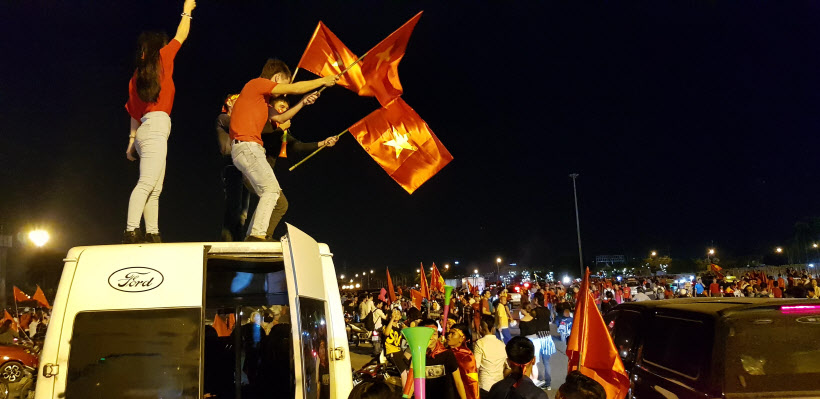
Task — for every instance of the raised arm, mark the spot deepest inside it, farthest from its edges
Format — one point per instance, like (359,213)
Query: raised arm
(304,87)
(185,23)
(290,113)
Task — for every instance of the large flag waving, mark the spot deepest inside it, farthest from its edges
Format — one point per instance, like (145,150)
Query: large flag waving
(590,348)
(425,292)
(40,297)
(402,144)
(380,66)
(715,268)
(390,290)
(436,281)
(326,55)
(19,295)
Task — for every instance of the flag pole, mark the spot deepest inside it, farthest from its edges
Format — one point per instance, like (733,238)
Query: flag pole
(321,90)
(314,152)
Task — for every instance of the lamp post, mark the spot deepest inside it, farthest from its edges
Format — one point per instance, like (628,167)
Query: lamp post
(577,223)
(497,269)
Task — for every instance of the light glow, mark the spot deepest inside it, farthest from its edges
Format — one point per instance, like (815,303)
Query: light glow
(786,309)
(38,237)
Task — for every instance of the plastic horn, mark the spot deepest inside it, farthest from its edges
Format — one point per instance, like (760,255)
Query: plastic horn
(448,293)
(418,338)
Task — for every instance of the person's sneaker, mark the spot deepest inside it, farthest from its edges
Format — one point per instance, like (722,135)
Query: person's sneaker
(548,388)
(132,237)
(255,239)
(152,238)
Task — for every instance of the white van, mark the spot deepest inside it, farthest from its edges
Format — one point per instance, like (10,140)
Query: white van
(134,321)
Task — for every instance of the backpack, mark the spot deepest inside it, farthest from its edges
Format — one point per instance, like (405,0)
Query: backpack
(369,323)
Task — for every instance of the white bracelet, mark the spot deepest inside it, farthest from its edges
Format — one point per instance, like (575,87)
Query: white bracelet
(185,14)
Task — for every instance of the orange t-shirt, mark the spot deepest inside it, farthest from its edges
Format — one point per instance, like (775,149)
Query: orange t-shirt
(250,112)
(165,101)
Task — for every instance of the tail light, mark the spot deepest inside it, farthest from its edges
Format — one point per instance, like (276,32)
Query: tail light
(787,309)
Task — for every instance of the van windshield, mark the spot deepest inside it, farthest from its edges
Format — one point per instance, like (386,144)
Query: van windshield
(766,348)
(135,354)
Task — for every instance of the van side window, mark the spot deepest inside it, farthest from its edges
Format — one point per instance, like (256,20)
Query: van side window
(135,354)
(660,351)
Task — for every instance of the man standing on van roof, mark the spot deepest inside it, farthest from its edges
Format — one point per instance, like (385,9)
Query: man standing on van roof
(249,115)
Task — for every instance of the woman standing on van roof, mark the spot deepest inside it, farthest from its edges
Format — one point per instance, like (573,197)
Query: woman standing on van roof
(150,99)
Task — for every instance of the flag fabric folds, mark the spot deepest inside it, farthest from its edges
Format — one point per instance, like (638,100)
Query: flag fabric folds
(416,297)
(590,348)
(436,281)
(40,297)
(19,295)
(425,291)
(326,55)
(402,144)
(220,327)
(380,67)
(390,290)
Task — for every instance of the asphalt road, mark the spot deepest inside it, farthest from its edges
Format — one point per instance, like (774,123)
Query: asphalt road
(359,356)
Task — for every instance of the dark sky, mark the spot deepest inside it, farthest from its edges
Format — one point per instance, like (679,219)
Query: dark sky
(689,123)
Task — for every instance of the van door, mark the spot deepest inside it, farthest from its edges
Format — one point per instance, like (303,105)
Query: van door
(320,354)
(130,324)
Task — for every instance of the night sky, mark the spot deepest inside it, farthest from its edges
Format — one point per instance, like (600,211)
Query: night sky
(689,124)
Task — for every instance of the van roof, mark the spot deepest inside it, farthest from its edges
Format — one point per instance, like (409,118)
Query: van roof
(717,307)
(248,249)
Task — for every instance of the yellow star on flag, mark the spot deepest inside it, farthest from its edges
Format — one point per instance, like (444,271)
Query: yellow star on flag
(383,56)
(399,141)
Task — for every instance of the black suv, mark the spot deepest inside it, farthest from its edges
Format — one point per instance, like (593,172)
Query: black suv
(719,347)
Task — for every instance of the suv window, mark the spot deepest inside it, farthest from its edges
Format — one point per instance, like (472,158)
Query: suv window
(765,348)
(624,331)
(661,350)
(151,353)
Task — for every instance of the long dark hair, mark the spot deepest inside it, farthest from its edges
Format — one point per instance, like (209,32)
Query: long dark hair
(148,65)
(520,351)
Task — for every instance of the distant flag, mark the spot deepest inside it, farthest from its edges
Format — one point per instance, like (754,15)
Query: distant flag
(380,67)
(220,327)
(40,297)
(416,298)
(423,284)
(717,269)
(401,143)
(436,281)
(19,295)
(326,55)
(590,348)
(400,291)
(469,287)
(390,290)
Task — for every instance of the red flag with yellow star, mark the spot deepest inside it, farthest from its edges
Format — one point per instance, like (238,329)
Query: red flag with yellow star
(326,55)
(425,292)
(19,295)
(416,298)
(402,144)
(380,66)
(390,290)
(436,281)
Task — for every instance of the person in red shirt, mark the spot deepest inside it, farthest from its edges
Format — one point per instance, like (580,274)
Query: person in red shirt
(150,99)
(714,289)
(248,118)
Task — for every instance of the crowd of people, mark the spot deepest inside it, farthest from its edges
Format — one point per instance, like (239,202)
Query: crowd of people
(474,354)
(27,326)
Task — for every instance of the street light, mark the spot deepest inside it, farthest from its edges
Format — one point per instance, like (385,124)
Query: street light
(653,253)
(475,271)
(497,268)
(418,270)
(446,266)
(711,251)
(779,250)
(371,272)
(38,237)
(357,274)
(342,276)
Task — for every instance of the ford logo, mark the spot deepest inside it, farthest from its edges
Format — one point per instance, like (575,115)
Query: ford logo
(135,279)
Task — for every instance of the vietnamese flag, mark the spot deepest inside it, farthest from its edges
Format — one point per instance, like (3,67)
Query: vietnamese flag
(402,144)
(380,65)
(416,298)
(8,317)
(326,55)
(19,295)
(390,290)
(40,297)
(717,269)
(425,291)
(469,287)
(590,348)
(436,281)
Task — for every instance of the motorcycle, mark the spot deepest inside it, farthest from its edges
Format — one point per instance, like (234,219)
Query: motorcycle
(375,370)
(356,333)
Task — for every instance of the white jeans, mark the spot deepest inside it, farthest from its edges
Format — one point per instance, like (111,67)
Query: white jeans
(249,158)
(151,144)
